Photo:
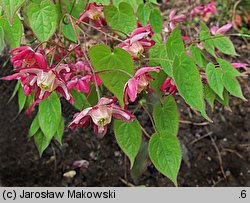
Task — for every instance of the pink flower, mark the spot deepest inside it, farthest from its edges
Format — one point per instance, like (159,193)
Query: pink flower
(175,19)
(240,65)
(222,30)
(44,80)
(169,86)
(101,115)
(80,83)
(138,41)
(81,164)
(203,10)
(139,82)
(94,13)
(24,57)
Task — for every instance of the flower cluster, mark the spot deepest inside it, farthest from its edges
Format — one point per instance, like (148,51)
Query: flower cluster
(203,10)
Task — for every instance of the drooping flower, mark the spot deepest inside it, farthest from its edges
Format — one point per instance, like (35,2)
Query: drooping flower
(24,57)
(175,19)
(81,164)
(138,83)
(222,30)
(169,86)
(80,83)
(203,10)
(138,41)
(101,115)
(44,81)
(94,13)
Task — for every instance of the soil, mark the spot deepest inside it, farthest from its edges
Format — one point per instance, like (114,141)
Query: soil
(214,154)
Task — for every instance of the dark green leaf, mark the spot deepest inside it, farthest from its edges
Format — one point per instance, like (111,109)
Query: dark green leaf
(209,95)
(165,153)
(49,115)
(128,136)
(80,101)
(166,116)
(188,82)
(21,99)
(60,131)
(214,77)
(34,127)
(41,141)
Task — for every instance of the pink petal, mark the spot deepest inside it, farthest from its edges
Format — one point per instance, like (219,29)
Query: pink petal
(144,70)
(224,29)
(132,89)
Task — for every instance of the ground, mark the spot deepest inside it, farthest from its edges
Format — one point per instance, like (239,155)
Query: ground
(214,154)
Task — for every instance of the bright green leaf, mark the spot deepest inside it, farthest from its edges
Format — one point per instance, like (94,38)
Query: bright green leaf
(207,41)
(209,95)
(157,82)
(143,13)
(227,67)
(60,131)
(13,34)
(102,58)
(69,33)
(2,44)
(165,153)
(155,20)
(34,127)
(214,77)
(10,8)
(49,115)
(41,141)
(128,136)
(80,101)
(175,45)
(188,82)
(166,116)
(43,19)
(21,99)
(232,85)
(198,56)
(122,18)
(224,44)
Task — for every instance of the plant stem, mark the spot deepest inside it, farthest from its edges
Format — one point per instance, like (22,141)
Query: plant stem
(151,119)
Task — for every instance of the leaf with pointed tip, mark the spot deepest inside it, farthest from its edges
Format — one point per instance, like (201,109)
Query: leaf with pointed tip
(103,59)
(214,77)
(188,82)
(155,20)
(34,127)
(165,153)
(41,141)
(227,67)
(60,130)
(209,95)
(224,44)
(10,8)
(166,116)
(43,19)
(128,136)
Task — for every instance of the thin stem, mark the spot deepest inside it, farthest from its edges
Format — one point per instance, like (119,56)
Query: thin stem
(74,28)
(145,132)
(151,119)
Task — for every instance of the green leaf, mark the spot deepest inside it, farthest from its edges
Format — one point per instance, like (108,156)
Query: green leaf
(41,141)
(224,44)
(80,101)
(128,136)
(49,115)
(214,77)
(60,131)
(232,85)
(15,90)
(166,116)
(198,56)
(43,19)
(34,127)
(143,13)
(140,162)
(69,33)
(209,95)
(165,153)
(207,42)
(2,44)
(155,20)
(102,58)
(13,34)
(227,67)
(158,55)
(21,99)
(103,2)
(188,82)
(225,101)
(175,45)
(78,8)
(122,18)
(133,3)
(157,82)
(10,8)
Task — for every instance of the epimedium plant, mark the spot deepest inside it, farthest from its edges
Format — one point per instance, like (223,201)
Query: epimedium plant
(110,59)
